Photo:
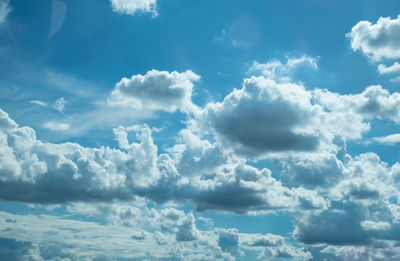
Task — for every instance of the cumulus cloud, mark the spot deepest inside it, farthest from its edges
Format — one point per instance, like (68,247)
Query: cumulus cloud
(267,240)
(132,7)
(377,41)
(323,170)
(62,172)
(360,212)
(266,117)
(373,102)
(68,172)
(156,90)
(153,234)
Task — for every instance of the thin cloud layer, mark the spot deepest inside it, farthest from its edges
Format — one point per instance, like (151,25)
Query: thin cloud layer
(5,9)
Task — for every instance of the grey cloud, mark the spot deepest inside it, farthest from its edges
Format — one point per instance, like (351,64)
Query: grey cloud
(350,223)
(228,240)
(265,116)
(33,171)
(38,172)
(138,236)
(267,119)
(176,222)
(323,170)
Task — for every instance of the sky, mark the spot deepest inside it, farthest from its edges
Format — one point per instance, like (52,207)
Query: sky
(199,130)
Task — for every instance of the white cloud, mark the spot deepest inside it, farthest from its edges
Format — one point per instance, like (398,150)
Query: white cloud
(132,7)
(373,102)
(383,69)
(56,126)
(377,41)
(266,118)
(67,172)
(372,225)
(127,232)
(276,70)
(40,103)
(59,104)
(5,9)
(156,90)
(388,140)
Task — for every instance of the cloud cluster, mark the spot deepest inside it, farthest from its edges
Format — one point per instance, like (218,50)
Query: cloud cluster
(266,118)
(34,171)
(132,7)
(169,234)
(213,165)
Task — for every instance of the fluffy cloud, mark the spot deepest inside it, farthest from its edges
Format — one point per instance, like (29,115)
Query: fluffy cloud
(169,234)
(322,170)
(266,117)
(377,41)
(156,90)
(373,102)
(275,69)
(360,212)
(34,171)
(45,172)
(132,7)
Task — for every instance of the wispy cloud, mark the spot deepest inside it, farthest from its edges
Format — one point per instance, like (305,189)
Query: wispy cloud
(388,140)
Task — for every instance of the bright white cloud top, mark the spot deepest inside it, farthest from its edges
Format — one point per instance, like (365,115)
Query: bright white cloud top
(132,7)
(377,41)
(267,144)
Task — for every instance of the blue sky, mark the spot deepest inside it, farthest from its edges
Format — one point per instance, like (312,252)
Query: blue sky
(199,130)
